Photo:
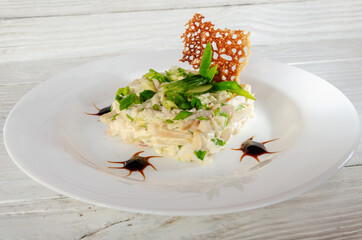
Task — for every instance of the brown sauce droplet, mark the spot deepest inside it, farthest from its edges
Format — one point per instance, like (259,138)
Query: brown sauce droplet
(253,149)
(136,163)
(100,111)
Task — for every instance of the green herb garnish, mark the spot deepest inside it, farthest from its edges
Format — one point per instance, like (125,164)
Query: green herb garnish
(182,115)
(169,104)
(179,146)
(183,73)
(206,107)
(152,74)
(243,93)
(223,114)
(130,118)
(146,94)
(226,116)
(200,154)
(218,141)
(118,98)
(205,70)
(169,121)
(179,100)
(128,101)
(156,107)
(202,118)
(185,84)
(185,105)
(210,75)
(199,89)
(196,103)
(201,83)
(123,91)
(233,87)
(114,117)
(240,107)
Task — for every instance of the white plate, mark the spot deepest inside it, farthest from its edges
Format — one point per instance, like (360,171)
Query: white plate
(51,139)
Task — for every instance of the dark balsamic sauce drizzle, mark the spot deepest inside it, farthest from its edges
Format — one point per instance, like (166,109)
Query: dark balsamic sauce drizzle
(136,163)
(253,149)
(100,111)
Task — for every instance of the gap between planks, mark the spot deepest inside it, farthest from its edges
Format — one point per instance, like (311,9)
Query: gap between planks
(43,9)
(96,35)
(332,210)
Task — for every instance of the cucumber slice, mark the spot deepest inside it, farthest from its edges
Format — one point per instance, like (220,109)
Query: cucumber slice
(199,89)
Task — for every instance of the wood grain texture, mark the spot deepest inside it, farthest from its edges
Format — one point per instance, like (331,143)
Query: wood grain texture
(36,71)
(98,34)
(329,212)
(312,52)
(43,8)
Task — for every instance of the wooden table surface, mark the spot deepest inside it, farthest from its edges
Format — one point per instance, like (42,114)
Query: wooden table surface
(39,39)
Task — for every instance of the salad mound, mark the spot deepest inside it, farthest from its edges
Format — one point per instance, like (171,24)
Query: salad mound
(180,113)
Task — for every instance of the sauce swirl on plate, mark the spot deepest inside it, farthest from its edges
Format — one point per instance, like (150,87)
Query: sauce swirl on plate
(100,111)
(253,149)
(136,164)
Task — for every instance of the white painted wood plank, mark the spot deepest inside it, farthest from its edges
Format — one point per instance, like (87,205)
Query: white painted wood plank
(331,211)
(16,187)
(312,52)
(44,8)
(99,34)
(63,219)
(22,72)
(290,53)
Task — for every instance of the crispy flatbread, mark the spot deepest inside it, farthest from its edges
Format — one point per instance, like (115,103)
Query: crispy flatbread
(231,48)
